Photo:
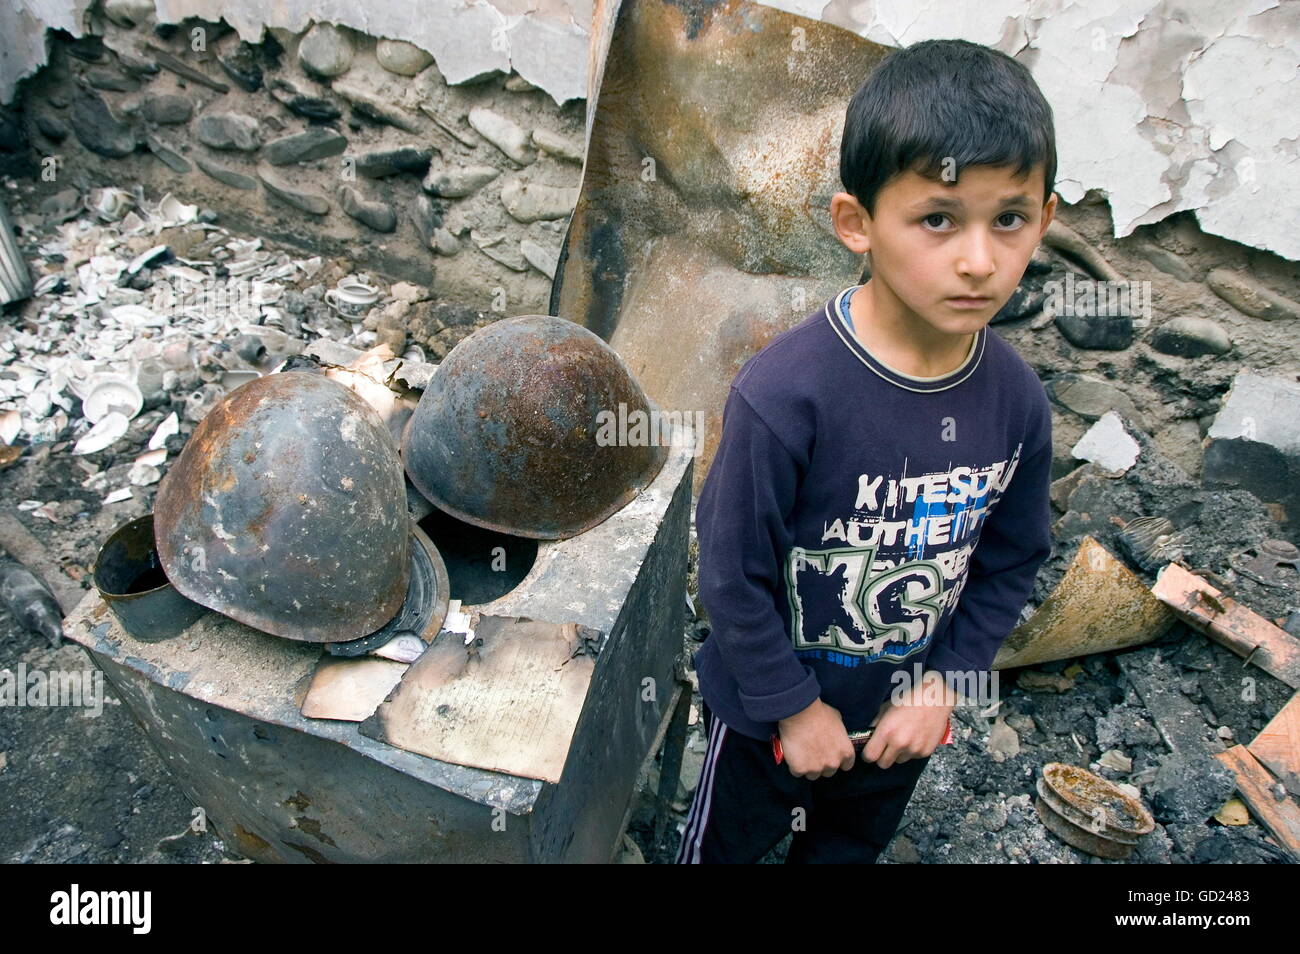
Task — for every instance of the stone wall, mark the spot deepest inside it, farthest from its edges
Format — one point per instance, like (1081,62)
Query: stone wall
(330,140)
(1204,309)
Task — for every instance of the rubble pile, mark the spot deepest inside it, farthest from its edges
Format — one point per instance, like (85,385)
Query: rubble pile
(1176,439)
(145,313)
(1211,527)
(974,804)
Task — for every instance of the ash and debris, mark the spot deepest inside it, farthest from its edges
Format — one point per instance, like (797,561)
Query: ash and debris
(83,789)
(75,788)
(1213,525)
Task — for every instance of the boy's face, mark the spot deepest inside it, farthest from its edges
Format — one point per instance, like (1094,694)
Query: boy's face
(948,255)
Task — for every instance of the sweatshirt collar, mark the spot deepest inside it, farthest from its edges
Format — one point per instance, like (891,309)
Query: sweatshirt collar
(898,378)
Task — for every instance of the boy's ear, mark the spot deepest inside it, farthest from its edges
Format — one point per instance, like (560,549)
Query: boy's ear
(1049,213)
(851,223)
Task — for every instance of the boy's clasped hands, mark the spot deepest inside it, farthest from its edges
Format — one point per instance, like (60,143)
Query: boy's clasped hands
(816,744)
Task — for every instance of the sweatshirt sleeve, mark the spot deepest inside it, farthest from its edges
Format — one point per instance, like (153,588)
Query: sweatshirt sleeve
(741,524)
(1013,544)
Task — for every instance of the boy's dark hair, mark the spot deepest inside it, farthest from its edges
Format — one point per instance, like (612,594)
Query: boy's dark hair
(942,99)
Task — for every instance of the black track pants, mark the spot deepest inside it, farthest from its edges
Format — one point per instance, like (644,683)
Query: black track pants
(745,804)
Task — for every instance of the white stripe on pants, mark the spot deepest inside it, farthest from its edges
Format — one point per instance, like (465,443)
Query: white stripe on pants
(698,818)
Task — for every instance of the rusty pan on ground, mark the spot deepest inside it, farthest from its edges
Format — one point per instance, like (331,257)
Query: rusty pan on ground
(1090,813)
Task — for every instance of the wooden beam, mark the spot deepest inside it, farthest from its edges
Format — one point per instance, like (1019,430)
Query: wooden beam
(1278,745)
(1280,817)
(1229,623)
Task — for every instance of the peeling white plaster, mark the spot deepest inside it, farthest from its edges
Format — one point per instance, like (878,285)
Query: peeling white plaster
(545,41)
(23,24)
(466,39)
(1163,105)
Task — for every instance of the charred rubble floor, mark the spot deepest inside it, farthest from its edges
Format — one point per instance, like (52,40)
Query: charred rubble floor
(974,803)
(81,788)
(75,788)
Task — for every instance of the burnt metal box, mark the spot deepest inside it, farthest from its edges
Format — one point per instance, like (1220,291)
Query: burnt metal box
(220,704)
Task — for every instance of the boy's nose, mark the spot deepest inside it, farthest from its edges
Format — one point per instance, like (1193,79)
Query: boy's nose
(976,260)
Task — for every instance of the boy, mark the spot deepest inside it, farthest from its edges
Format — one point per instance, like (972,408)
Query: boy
(877,509)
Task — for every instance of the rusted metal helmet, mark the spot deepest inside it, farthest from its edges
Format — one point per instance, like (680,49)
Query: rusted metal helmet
(286,511)
(508,434)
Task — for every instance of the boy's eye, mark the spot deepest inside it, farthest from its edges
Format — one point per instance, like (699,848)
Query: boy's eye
(1007,220)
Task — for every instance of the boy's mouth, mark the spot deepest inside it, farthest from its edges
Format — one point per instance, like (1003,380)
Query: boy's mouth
(969,301)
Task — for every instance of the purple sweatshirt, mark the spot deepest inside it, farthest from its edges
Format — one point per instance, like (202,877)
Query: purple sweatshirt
(857,521)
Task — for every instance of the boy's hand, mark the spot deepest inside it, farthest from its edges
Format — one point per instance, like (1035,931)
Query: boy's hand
(914,727)
(815,742)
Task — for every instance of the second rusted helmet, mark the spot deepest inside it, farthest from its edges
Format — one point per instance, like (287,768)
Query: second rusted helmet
(286,510)
(512,431)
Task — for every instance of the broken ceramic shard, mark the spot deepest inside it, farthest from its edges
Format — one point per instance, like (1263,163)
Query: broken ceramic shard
(153,458)
(109,204)
(10,425)
(234,379)
(49,284)
(147,258)
(136,317)
(172,211)
(110,428)
(107,392)
(142,475)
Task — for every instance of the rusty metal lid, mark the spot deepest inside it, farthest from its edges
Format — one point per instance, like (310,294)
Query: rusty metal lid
(286,511)
(512,432)
(1095,797)
(1090,813)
